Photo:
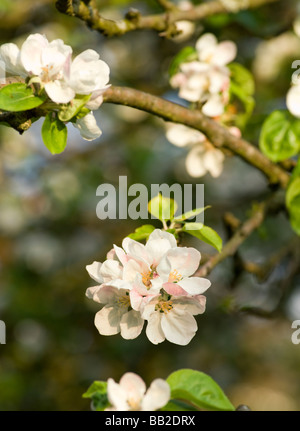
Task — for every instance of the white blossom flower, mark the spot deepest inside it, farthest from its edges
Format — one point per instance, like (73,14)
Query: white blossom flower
(207,79)
(293,100)
(137,279)
(87,127)
(204,158)
(10,56)
(130,394)
(173,319)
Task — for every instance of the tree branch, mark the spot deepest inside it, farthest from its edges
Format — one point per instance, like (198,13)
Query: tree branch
(216,133)
(87,11)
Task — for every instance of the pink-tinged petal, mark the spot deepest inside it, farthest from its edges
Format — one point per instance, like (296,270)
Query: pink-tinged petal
(153,330)
(174,289)
(157,395)
(293,100)
(117,396)
(178,326)
(213,160)
(224,53)
(31,53)
(107,320)
(110,270)
(214,107)
(194,285)
(136,299)
(111,254)
(94,271)
(184,260)
(134,386)
(235,131)
(194,162)
(218,80)
(59,92)
(132,268)
(131,325)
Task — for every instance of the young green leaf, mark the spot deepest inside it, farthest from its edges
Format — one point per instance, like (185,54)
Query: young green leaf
(199,389)
(204,233)
(73,108)
(54,134)
(18,97)
(280,136)
(162,208)
(190,214)
(141,233)
(98,393)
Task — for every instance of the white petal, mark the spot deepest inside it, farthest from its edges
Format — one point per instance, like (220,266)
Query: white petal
(214,107)
(194,162)
(10,55)
(206,44)
(117,396)
(55,55)
(96,98)
(213,161)
(178,326)
(185,260)
(157,395)
(31,53)
(161,234)
(88,72)
(91,293)
(134,386)
(191,304)
(194,285)
(59,91)
(131,325)
(107,320)
(154,331)
(293,100)
(181,135)
(121,255)
(224,53)
(88,127)
(110,270)
(94,271)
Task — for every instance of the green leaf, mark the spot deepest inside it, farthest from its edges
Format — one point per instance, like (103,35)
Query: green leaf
(18,97)
(204,233)
(73,108)
(190,214)
(188,53)
(54,134)
(98,393)
(162,208)
(199,389)
(293,203)
(280,136)
(142,232)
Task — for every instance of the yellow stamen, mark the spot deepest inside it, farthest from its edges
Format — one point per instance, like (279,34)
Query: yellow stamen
(124,301)
(174,276)
(164,306)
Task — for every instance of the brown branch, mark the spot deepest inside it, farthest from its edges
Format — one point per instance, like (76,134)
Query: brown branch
(87,11)
(217,134)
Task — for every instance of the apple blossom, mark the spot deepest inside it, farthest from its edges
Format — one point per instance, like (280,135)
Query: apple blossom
(130,394)
(87,127)
(138,280)
(206,80)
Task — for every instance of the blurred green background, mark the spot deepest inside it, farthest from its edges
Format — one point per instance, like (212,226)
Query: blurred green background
(49,230)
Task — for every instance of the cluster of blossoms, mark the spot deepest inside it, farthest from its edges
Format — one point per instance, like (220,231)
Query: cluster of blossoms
(204,82)
(149,282)
(50,65)
(130,394)
(203,157)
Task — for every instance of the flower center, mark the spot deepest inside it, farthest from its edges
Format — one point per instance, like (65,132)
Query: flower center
(174,276)
(134,404)
(164,306)
(124,301)
(147,276)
